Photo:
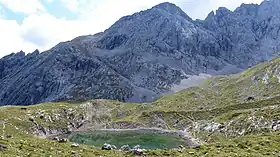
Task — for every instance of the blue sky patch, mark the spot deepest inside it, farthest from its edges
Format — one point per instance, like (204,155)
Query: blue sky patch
(8,14)
(54,8)
(57,9)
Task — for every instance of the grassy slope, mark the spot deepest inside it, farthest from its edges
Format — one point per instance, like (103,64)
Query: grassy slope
(221,99)
(227,90)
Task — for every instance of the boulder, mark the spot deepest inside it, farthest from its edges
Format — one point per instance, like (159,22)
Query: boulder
(73,152)
(3,147)
(75,145)
(55,139)
(107,146)
(125,148)
(9,136)
(31,119)
(138,151)
(114,147)
(181,147)
(63,140)
(250,98)
(136,147)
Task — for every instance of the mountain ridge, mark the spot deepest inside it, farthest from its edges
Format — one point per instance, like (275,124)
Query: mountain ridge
(140,56)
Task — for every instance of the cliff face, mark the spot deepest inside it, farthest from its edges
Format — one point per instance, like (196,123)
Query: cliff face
(250,34)
(143,55)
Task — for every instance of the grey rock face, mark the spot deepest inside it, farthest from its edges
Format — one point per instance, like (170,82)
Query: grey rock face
(61,76)
(249,35)
(143,55)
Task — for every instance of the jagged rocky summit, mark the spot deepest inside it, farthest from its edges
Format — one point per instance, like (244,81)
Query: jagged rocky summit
(143,55)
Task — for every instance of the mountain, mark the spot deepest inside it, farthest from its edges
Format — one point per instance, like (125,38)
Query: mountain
(144,55)
(250,33)
(224,114)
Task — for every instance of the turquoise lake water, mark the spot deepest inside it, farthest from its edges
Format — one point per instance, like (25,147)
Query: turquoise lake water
(146,139)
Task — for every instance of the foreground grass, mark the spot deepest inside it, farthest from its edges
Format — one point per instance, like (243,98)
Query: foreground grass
(251,145)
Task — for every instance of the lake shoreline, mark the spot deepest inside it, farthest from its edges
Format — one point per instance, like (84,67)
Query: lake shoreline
(192,142)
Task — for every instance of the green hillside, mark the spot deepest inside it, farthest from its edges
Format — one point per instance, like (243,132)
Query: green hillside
(233,115)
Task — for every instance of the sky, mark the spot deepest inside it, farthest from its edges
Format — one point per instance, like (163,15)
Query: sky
(41,24)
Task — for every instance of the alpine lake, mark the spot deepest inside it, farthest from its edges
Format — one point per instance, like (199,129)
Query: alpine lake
(146,139)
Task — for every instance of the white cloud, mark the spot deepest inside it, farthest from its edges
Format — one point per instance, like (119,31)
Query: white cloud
(1,12)
(42,30)
(72,5)
(23,6)
(39,31)
(46,30)
(10,38)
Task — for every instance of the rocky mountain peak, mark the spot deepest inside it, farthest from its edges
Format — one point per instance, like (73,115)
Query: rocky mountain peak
(222,11)
(20,54)
(36,51)
(247,10)
(166,5)
(270,2)
(143,55)
(158,23)
(145,20)
(268,9)
(172,9)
